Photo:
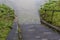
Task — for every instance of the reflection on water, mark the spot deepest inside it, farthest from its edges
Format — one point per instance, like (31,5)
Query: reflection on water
(26,10)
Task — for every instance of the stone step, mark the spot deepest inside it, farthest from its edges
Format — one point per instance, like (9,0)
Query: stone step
(38,32)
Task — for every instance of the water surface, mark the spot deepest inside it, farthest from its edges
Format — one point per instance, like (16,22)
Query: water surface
(26,10)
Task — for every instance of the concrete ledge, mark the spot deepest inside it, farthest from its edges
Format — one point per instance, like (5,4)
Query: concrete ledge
(50,25)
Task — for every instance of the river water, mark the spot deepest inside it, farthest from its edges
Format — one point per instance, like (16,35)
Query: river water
(26,10)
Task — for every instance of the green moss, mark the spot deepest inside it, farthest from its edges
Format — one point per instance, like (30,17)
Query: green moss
(6,20)
(52,5)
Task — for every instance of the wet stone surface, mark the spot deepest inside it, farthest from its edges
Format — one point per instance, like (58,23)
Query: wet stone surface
(44,39)
(48,33)
(37,37)
(38,32)
(13,35)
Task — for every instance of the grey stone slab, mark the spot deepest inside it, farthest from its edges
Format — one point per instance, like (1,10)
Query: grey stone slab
(43,28)
(53,36)
(47,33)
(31,30)
(29,39)
(58,39)
(37,37)
(38,32)
(44,39)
